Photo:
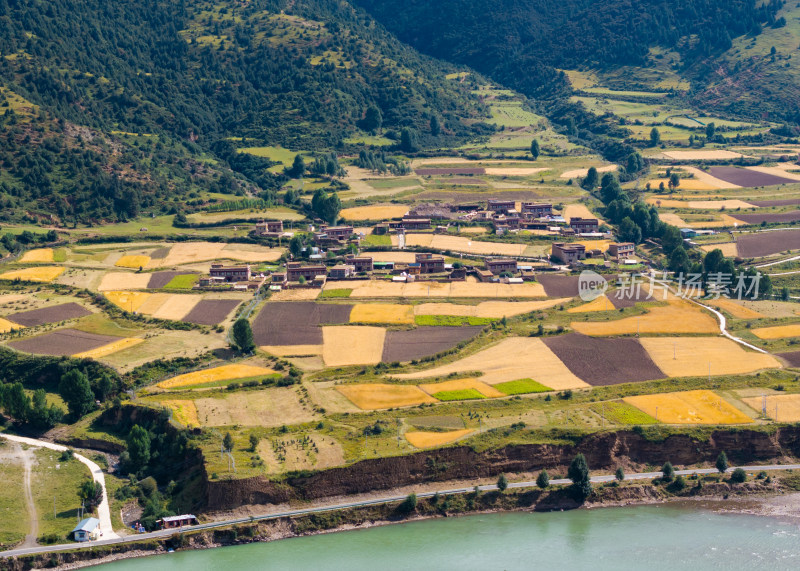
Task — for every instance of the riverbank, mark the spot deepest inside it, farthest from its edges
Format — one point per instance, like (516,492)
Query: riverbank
(758,497)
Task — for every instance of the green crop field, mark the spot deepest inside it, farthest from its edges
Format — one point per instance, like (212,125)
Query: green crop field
(183,282)
(622,413)
(464,394)
(376,240)
(521,387)
(336,293)
(450,320)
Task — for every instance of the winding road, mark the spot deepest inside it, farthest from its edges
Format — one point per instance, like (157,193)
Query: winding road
(103,511)
(380,500)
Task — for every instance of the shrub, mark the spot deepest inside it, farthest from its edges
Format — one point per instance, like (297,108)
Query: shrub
(619,474)
(668,472)
(722,462)
(408,505)
(543,480)
(502,483)
(738,476)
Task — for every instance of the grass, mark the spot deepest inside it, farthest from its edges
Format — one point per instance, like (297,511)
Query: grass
(464,394)
(183,282)
(521,387)
(53,478)
(60,255)
(13,515)
(377,240)
(450,320)
(336,293)
(622,413)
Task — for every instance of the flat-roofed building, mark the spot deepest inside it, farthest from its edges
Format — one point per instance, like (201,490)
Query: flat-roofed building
(568,253)
(621,250)
(499,265)
(231,273)
(360,263)
(296,270)
(430,263)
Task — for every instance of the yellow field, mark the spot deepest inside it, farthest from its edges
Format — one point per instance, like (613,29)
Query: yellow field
(127,300)
(721,221)
(41,274)
(578,210)
(420,439)
(728,249)
(292,350)
(689,407)
(299,294)
(782,408)
(134,262)
(375,396)
(352,345)
(678,316)
(153,302)
(701,155)
(37,255)
(183,412)
(382,313)
(383,288)
(601,303)
(580,173)
(601,245)
(460,385)
(686,184)
(190,252)
(511,359)
(735,309)
(376,212)
(690,356)
(487,309)
(6,326)
(777,171)
(106,350)
(223,373)
(778,332)
(115,281)
(473,230)
(177,306)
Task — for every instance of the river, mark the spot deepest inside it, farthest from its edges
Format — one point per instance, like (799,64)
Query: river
(644,537)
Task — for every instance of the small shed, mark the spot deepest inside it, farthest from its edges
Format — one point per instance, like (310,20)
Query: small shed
(177,521)
(87,530)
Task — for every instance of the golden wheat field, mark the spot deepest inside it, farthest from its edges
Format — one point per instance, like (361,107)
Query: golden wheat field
(183,412)
(134,262)
(778,331)
(419,439)
(223,373)
(487,309)
(374,212)
(578,210)
(462,385)
(689,407)
(728,249)
(6,325)
(37,256)
(736,309)
(781,408)
(109,349)
(382,313)
(691,356)
(468,289)
(42,274)
(127,300)
(344,345)
(511,359)
(601,303)
(678,316)
(374,396)
(177,306)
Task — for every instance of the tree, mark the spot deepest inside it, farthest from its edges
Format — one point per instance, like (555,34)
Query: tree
(578,472)
(591,180)
(243,335)
(408,141)
(408,505)
(679,261)
(331,207)
(668,472)
(619,474)
(373,119)
(535,149)
(76,391)
(543,479)
(629,231)
(90,493)
(298,167)
(738,476)
(43,415)
(711,129)
(502,483)
(295,246)
(655,137)
(722,462)
(138,443)
(784,293)
(227,442)
(674,181)
(253,442)
(436,128)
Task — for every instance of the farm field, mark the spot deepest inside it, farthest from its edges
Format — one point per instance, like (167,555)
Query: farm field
(164,344)
(462,385)
(421,439)
(374,212)
(13,511)
(382,313)
(44,274)
(215,375)
(531,359)
(51,314)
(6,326)
(117,281)
(39,255)
(183,411)
(778,331)
(689,407)
(781,408)
(678,316)
(133,262)
(761,244)
(707,155)
(264,407)
(374,396)
(352,345)
(747,177)
(401,346)
(736,309)
(383,289)
(487,309)
(211,311)
(106,350)
(703,356)
(62,342)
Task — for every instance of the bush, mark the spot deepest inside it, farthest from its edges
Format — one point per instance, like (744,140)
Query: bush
(502,483)
(619,474)
(543,480)
(668,472)
(738,476)
(722,462)
(408,505)
(678,485)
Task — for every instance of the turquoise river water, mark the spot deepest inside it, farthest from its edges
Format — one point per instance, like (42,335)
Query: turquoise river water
(643,537)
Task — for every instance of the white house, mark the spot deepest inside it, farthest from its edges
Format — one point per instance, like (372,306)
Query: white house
(87,530)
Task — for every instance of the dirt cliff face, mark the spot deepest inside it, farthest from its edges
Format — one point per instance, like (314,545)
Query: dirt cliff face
(603,452)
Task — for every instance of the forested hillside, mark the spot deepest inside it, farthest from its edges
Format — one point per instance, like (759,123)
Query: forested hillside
(110,108)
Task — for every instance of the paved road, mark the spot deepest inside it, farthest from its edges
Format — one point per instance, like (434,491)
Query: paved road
(103,511)
(381,500)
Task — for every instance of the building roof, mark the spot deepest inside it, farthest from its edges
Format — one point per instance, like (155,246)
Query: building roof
(178,517)
(88,525)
